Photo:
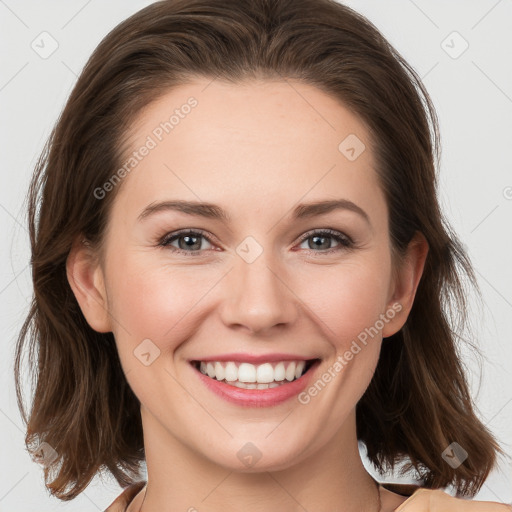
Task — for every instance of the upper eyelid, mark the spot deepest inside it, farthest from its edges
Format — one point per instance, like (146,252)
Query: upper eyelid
(329,231)
(186,231)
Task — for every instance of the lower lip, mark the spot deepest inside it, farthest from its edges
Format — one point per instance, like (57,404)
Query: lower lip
(258,397)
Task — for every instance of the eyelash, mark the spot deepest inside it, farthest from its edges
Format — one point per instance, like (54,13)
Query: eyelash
(344,241)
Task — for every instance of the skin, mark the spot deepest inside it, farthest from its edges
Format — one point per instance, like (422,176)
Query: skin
(256,149)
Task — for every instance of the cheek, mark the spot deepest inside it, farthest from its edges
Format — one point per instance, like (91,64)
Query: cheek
(348,299)
(153,300)
(156,302)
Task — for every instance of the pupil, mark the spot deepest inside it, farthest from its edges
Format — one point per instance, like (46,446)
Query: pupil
(317,237)
(193,240)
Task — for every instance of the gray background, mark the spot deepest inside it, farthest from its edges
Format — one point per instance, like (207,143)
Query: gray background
(472,91)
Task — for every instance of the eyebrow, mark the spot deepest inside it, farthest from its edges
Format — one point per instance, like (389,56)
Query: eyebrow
(213,211)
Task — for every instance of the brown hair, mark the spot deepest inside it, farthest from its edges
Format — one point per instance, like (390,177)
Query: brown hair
(418,401)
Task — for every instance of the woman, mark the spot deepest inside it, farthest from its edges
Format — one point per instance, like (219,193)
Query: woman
(241,270)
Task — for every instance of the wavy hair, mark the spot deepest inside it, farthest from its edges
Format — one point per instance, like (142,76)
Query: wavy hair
(82,406)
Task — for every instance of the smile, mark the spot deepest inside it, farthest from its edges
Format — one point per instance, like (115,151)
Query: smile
(250,376)
(260,385)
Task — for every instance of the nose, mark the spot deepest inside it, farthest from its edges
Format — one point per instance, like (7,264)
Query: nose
(258,297)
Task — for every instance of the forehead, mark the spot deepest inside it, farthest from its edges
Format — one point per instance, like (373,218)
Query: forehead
(242,144)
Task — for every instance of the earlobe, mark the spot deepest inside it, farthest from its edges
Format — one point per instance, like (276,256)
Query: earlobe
(406,282)
(85,277)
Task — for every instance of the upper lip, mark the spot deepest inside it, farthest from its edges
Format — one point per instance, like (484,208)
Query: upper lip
(254,359)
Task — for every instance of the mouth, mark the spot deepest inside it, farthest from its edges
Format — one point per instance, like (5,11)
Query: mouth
(267,384)
(243,375)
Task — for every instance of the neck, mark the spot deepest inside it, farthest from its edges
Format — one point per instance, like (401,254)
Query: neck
(331,478)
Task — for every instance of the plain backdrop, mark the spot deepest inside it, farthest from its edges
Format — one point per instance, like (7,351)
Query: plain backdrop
(462,50)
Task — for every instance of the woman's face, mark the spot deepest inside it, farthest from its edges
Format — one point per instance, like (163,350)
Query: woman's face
(257,277)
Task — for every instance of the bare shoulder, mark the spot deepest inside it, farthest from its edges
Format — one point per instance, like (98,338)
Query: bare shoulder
(430,500)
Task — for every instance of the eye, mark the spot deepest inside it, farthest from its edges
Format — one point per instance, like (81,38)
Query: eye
(320,240)
(189,242)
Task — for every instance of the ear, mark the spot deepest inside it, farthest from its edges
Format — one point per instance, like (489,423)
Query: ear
(405,283)
(85,276)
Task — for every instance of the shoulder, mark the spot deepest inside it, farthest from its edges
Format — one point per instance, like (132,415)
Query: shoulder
(419,499)
(411,497)
(121,503)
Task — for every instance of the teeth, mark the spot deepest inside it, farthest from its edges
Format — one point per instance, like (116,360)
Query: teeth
(231,372)
(264,373)
(279,372)
(249,376)
(247,373)
(219,371)
(290,372)
(299,368)
(253,385)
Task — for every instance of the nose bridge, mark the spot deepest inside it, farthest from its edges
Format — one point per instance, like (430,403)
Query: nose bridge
(258,296)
